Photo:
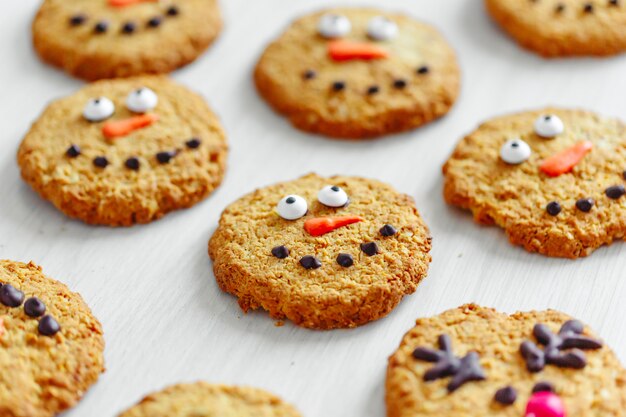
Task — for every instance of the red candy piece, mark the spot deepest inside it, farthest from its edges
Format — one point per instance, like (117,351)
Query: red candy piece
(564,161)
(348,50)
(117,128)
(123,3)
(545,404)
(322,225)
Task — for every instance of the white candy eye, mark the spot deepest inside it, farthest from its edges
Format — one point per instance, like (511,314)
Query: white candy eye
(381,28)
(548,126)
(515,151)
(292,207)
(141,100)
(332,196)
(98,109)
(334,26)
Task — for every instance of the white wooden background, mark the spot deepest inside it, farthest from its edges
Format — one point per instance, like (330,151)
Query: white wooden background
(165,319)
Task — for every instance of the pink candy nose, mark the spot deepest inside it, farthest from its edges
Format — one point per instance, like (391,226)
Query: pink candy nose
(545,404)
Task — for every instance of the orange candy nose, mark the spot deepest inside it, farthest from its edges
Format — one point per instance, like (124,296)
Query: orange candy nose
(564,161)
(118,128)
(341,50)
(123,3)
(322,225)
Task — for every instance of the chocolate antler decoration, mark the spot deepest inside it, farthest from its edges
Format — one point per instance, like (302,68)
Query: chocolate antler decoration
(462,370)
(569,337)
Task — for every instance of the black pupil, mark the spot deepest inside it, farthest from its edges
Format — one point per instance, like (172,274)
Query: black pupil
(291,200)
(515,145)
(97,101)
(547,118)
(334,188)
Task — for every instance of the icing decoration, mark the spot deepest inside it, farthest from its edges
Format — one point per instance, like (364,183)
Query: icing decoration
(166,156)
(280,252)
(78,20)
(118,128)
(543,386)
(569,338)
(462,370)
(73,151)
(548,126)
(321,225)
(309,74)
(369,248)
(11,296)
(615,191)
(310,262)
(553,208)
(98,109)
(332,196)
(101,27)
(132,163)
(374,89)
(48,326)
(101,161)
(545,404)
(193,143)
(423,70)
(515,151)
(334,26)
(564,161)
(400,84)
(343,50)
(381,28)
(388,230)
(124,3)
(345,260)
(33,307)
(292,207)
(129,28)
(141,100)
(506,396)
(585,204)
(339,85)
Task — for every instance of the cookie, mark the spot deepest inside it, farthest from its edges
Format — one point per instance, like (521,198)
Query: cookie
(205,400)
(50,343)
(556,28)
(95,39)
(552,179)
(358,73)
(475,361)
(323,252)
(125,151)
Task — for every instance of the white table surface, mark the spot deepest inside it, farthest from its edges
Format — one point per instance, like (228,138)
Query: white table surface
(152,286)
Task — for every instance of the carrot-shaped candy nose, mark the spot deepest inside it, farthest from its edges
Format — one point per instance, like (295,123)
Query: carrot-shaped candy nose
(118,128)
(564,161)
(321,225)
(123,3)
(342,50)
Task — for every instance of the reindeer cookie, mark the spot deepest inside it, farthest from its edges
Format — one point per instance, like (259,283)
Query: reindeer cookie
(206,400)
(322,252)
(357,73)
(474,361)
(564,27)
(126,151)
(50,344)
(553,179)
(94,39)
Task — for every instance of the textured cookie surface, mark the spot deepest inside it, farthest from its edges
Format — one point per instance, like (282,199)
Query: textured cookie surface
(596,390)
(206,400)
(172,163)
(564,27)
(376,271)
(544,213)
(95,39)
(44,375)
(353,97)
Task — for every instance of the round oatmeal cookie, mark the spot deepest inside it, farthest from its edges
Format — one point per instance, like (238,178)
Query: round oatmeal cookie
(125,151)
(553,179)
(95,39)
(358,73)
(206,400)
(323,252)
(51,346)
(474,361)
(556,28)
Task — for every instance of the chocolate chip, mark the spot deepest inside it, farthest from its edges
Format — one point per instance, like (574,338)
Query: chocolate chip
(310,262)
(11,296)
(34,307)
(173,11)
(588,8)
(506,396)
(423,70)
(78,19)
(560,8)
(543,386)
(615,191)
(374,89)
(388,230)
(309,74)
(132,163)
(155,22)
(399,84)
(553,208)
(345,260)
(165,157)
(369,248)
(281,252)
(339,86)
(48,326)
(101,27)
(129,27)
(585,204)
(100,162)
(193,143)
(73,151)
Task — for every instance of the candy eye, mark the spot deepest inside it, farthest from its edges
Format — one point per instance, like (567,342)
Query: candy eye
(381,28)
(334,26)
(98,109)
(141,100)
(515,151)
(548,126)
(292,207)
(332,196)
